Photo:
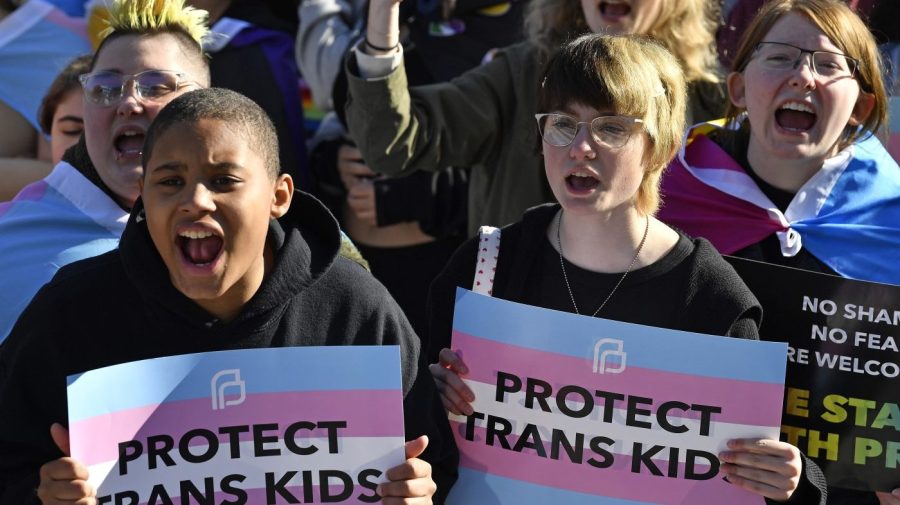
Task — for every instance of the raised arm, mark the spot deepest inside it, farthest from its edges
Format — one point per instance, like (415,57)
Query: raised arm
(468,121)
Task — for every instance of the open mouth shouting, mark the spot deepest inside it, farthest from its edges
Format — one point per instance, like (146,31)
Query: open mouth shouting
(128,143)
(614,10)
(796,117)
(200,249)
(581,182)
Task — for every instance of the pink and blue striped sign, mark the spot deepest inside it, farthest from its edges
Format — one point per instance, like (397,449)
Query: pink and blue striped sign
(579,410)
(279,425)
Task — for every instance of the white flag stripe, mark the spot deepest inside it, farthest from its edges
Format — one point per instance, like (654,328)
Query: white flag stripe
(354,454)
(514,411)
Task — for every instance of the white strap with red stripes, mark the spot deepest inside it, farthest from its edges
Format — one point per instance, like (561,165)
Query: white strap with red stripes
(486,263)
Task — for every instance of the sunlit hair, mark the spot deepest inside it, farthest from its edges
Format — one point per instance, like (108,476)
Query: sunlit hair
(846,31)
(630,76)
(150,16)
(153,17)
(64,83)
(240,113)
(685,27)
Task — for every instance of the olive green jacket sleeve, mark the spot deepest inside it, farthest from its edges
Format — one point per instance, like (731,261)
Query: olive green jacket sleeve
(483,119)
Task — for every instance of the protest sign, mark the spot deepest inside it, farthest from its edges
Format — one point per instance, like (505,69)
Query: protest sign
(278,425)
(571,408)
(842,390)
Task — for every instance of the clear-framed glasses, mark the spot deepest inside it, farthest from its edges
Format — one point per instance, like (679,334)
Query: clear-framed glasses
(781,56)
(612,131)
(108,88)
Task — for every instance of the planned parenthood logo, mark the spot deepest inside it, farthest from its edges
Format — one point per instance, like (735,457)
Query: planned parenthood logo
(609,356)
(227,380)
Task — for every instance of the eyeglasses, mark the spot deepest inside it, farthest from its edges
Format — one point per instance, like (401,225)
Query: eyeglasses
(612,131)
(781,56)
(108,88)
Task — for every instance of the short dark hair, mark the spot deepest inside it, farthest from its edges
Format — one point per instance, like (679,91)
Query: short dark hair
(219,104)
(65,83)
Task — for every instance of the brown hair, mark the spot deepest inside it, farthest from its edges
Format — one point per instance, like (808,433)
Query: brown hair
(632,75)
(845,30)
(685,27)
(65,83)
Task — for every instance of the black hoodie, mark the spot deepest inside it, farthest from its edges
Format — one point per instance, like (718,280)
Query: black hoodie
(121,307)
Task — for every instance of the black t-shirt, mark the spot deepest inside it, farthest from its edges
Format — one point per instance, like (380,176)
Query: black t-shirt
(630,301)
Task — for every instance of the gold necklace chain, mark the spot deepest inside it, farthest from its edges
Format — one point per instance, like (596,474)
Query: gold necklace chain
(562,264)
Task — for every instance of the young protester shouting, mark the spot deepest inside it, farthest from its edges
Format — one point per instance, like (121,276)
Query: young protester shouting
(801,180)
(150,54)
(611,118)
(219,253)
(798,178)
(482,118)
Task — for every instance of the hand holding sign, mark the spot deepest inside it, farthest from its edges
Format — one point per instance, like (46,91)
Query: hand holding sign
(766,467)
(889,499)
(455,395)
(410,482)
(64,480)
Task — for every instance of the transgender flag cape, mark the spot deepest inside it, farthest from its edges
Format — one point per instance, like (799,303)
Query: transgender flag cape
(36,42)
(847,215)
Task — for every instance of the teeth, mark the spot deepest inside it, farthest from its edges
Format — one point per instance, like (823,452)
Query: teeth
(579,174)
(798,107)
(192,234)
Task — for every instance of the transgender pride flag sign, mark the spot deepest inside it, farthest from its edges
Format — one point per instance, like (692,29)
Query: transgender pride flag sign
(578,410)
(280,425)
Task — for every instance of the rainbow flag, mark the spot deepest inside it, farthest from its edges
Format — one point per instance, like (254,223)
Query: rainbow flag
(279,425)
(580,410)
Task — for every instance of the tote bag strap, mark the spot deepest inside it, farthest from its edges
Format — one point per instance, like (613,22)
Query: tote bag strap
(486,263)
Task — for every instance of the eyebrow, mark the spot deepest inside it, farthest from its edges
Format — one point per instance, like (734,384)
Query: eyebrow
(174,166)
(226,165)
(76,119)
(177,166)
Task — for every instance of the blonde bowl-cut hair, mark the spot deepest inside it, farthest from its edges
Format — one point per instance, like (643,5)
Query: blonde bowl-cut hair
(633,76)
(845,30)
(685,27)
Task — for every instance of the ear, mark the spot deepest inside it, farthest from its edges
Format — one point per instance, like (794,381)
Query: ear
(864,105)
(736,91)
(283,192)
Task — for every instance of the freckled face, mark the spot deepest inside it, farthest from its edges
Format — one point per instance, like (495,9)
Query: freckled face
(794,113)
(208,200)
(67,125)
(621,16)
(587,177)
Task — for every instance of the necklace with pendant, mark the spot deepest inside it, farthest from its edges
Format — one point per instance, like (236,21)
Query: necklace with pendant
(562,264)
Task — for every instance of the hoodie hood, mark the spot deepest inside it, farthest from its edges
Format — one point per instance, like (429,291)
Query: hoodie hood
(305,242)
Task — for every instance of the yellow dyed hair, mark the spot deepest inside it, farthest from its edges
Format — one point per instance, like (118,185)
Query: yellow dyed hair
(110,19)
(153,16)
